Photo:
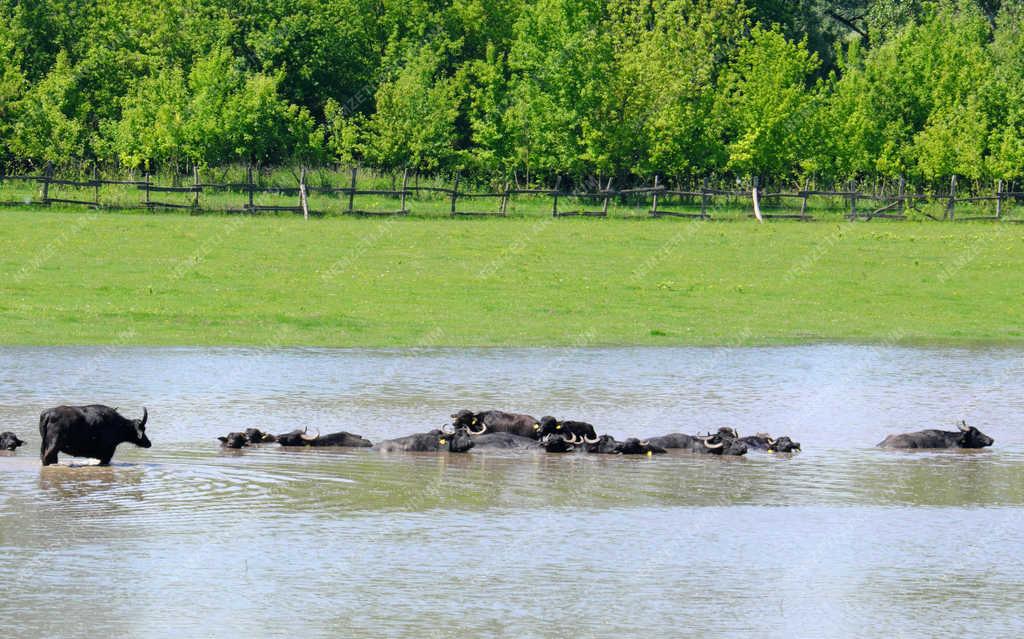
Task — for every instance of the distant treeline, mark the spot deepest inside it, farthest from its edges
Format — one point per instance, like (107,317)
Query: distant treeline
(522,90)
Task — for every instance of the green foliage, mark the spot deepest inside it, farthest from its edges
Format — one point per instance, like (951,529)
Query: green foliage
(531,90)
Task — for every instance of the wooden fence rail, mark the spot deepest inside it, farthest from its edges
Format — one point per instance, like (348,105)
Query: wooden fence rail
(658,199)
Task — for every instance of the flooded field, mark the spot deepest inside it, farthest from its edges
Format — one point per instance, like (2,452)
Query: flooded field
(843,539)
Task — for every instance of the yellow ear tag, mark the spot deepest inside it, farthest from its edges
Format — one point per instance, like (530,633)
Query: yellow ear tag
(536,427)
(771,450)
(559,427)
(442,442)
(649,453)
(474,421)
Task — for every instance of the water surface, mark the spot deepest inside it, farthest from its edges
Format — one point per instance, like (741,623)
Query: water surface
(841,540)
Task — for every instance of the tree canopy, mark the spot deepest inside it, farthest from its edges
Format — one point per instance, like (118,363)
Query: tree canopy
(581,88)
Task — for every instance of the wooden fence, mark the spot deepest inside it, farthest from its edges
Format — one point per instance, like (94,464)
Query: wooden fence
(657,200)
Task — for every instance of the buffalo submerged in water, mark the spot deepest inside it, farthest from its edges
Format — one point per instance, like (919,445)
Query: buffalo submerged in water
(964,437)
(88,431)
(436,440)
(9,441)
(496,421)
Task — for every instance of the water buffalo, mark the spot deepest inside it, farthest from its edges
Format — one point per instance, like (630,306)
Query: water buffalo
(576,432)
(234,440)
(301,438)
(964,437)
(765,442)
(9,441)
(257,436)
(434,441)
(504,441)
(607,445)
(88,431)
(558,444)
(720,443)
(496,421)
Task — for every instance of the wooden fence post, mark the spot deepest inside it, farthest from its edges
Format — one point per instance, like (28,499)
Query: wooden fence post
(251,188)
(96,184)
(455,193)
(804,195)
(554,201)
(853,199)
(503,207)
(195,185)
(147,189)
(704,197)
(47,175)
(654,200)
(999,199)
(303,199)
(607,196)
(901,198)
(405,185)
(755,195)
(951,204)
(352,189)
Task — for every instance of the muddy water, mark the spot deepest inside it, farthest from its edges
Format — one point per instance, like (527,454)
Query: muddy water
(841,540)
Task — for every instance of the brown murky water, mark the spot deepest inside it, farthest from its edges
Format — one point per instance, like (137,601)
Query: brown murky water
(841,540)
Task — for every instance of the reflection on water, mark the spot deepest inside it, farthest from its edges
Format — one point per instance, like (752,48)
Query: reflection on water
(186,539)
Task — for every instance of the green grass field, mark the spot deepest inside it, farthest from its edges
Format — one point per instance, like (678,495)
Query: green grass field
(81,277)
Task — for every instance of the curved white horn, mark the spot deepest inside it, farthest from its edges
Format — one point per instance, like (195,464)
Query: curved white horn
(309,438)
(771,442)
(591,441)
(713,446)
(483,429)
(448,429)
(963,426)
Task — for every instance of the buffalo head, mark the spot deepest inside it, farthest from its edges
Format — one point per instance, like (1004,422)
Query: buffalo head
(783,445)
(723,443)
(9,441)
(256,436)
(605,445)
(234,440)
(634,446)
(139,434)
(458,441)
(558,444)
(971,437)
(468,420)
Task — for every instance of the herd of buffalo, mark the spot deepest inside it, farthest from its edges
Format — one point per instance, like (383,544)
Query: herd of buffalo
(95,431)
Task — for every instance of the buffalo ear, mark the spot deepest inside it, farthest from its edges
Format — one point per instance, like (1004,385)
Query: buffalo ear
(223,439)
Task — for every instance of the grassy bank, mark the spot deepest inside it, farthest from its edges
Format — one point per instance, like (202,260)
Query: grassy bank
(109,278)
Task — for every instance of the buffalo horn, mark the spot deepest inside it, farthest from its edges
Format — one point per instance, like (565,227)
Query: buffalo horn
(145,416)
(591,441)
(963,426)
(713,446)
(771,442)
(483,429)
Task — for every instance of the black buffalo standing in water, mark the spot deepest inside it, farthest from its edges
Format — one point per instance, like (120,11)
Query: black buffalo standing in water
(88,431)
(434,441)
(964,437)
(496,421)
(9,441)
